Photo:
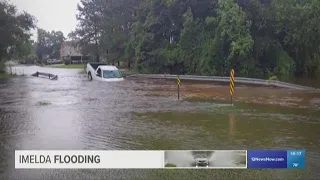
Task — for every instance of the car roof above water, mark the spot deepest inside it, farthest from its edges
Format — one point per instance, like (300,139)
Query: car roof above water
(200,156)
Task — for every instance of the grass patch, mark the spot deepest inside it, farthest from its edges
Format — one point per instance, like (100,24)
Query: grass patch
(69,66)
(5,76)
(170,165)
(43,103)
(127,72)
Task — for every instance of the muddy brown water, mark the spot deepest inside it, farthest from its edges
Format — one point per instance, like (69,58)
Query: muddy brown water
(74,113)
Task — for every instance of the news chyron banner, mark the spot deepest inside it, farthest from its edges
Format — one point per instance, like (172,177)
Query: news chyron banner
(211,159)
(278,159)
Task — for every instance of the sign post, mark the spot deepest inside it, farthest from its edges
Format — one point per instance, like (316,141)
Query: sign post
(178,83)
(232,84)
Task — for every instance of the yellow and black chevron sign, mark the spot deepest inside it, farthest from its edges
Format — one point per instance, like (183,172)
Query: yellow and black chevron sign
(232,82)
(178,81)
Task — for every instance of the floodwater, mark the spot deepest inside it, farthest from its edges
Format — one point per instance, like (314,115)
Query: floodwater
(138,114)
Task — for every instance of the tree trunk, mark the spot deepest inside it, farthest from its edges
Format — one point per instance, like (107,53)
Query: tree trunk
(129,65)
(98,57)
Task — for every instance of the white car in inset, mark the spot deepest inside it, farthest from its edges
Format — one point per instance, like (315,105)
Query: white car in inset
(201,160)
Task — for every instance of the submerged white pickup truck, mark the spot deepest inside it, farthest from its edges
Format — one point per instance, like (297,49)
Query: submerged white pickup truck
(103,72)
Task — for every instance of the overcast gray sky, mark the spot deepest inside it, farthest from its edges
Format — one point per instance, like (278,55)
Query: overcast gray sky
(58,15)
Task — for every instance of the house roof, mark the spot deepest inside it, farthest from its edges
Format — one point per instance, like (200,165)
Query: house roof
(70,48)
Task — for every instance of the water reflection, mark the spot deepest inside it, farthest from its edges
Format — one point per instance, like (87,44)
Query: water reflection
(15,120)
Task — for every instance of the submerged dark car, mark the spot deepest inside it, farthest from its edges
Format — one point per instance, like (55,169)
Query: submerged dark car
(201,160)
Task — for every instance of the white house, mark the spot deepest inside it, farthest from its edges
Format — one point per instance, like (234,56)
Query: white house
(70,50)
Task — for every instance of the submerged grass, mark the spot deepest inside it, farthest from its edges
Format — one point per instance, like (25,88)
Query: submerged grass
(43,103)
(241,174)
(5,76)
(82,72)
(69,66)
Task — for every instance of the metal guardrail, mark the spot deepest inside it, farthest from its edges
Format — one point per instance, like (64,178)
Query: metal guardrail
(242,80)
(51,76)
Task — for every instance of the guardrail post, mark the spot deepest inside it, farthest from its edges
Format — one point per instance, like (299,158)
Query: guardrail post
(178,83)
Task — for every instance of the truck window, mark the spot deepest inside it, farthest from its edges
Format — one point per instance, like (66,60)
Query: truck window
(99,72)
(112,74)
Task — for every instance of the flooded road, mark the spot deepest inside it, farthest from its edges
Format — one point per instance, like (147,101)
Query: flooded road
(74,113)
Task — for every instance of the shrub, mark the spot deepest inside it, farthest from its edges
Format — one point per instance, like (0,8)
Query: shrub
(170,165)
(273,78)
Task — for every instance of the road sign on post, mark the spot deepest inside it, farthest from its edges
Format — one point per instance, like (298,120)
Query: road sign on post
(231,84)
(178,83)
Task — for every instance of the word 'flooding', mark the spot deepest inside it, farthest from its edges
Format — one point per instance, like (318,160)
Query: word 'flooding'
(59,159)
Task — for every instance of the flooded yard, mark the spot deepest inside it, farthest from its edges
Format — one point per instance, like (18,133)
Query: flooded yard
(142,114)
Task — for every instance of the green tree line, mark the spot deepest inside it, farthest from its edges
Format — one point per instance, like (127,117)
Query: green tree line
(15,33)
(48,44)
(15,37)
(207,37)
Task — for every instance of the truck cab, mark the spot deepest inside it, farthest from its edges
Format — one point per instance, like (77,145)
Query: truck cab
(102,72)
